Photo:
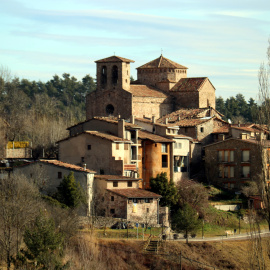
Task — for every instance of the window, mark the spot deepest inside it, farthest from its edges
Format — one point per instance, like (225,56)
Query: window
(178,145)
(103,76)
(245,155)
(89,147)
(164,148)
(135,200)
(112,198)
(114,75)
(115,184)
(226,155)
(164,161)
(126,146)
(201,129)
(180,163)
(112,210)
(59,175)
(117,146)
(147,210)
(129,184)
(82,159)
(147,200)
(245,172)
(225,171)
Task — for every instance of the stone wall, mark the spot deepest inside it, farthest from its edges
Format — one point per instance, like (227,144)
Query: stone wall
(212,163)
(19,153)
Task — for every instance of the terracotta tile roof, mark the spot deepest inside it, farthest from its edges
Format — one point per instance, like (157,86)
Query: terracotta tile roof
(116,177)
(245,129)
(189,84)
(145,135)
(190,114)
(190,122)
(99,134)
(264,143)
(223,129)
(141,90)
(59,163)
(162,62)
(135,193)
(114,59)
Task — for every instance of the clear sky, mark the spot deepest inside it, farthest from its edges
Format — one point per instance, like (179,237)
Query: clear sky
(223,40)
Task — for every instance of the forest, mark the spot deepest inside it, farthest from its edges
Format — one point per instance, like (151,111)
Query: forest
(40,112)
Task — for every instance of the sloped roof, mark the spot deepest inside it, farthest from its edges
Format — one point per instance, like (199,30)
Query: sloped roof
(145,135)
(114,59)
(99,134)
(223,129)
(190,84)
(116,178)
(59,163)
(162,62)
(141,90)
(134,193)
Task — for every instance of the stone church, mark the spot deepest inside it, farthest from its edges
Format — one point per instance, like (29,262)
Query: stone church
(162,87)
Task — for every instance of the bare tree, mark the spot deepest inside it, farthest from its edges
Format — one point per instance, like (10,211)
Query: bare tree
(19,203)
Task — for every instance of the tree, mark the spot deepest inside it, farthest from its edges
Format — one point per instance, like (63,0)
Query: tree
(164,187)
(44,243)
(194,194)
(186,220)
(19,204)
(70,192)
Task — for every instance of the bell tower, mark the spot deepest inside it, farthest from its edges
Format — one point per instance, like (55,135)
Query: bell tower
(113,73)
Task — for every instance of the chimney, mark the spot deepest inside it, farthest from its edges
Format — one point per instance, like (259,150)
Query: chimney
(238,123)
(119,116)
(132,119)
(84,166)
(121,128)
(153,119)
(166,120)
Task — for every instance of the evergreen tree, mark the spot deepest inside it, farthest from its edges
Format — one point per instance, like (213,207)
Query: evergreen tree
(186,220)
(70,192)
(162,186)
(44,245)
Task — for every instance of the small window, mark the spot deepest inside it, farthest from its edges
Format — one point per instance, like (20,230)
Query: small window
(112,198)
(112,210)
(147,210)
(135,200)
(201,129)
(147,200)
(117,146)
(164,161)
(164,148)
(126,146)
(82,159)
(129,184)
(89,147)
(245,155)
(115,184)
(59,175)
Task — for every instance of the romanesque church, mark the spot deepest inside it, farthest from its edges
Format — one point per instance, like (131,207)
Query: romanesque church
(162,87)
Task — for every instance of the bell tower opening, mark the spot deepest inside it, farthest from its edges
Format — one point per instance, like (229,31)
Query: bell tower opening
(109,109)
(104,76)
(114,75)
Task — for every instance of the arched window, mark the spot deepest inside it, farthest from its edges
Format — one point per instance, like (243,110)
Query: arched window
(104,76)
(114,75)
(109,109)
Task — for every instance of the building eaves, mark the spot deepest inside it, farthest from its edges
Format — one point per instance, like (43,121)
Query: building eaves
(145,135)
(141,90)
(114,59)
(134,193)
(116,178)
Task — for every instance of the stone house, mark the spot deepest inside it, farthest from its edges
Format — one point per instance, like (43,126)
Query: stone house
(162,87)
(48,174)
(121,197)
(230,163)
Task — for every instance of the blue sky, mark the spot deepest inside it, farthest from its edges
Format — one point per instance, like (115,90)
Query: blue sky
(223,40)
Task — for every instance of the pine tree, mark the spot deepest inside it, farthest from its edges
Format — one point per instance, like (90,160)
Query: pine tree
(162,186)
(70,192)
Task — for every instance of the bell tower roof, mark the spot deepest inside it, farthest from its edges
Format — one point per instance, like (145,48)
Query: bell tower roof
(162,62)
(114,58)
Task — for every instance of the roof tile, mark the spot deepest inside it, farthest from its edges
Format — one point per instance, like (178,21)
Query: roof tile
(134,193)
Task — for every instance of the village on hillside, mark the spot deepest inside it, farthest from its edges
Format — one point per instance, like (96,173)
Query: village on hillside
(164,124)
